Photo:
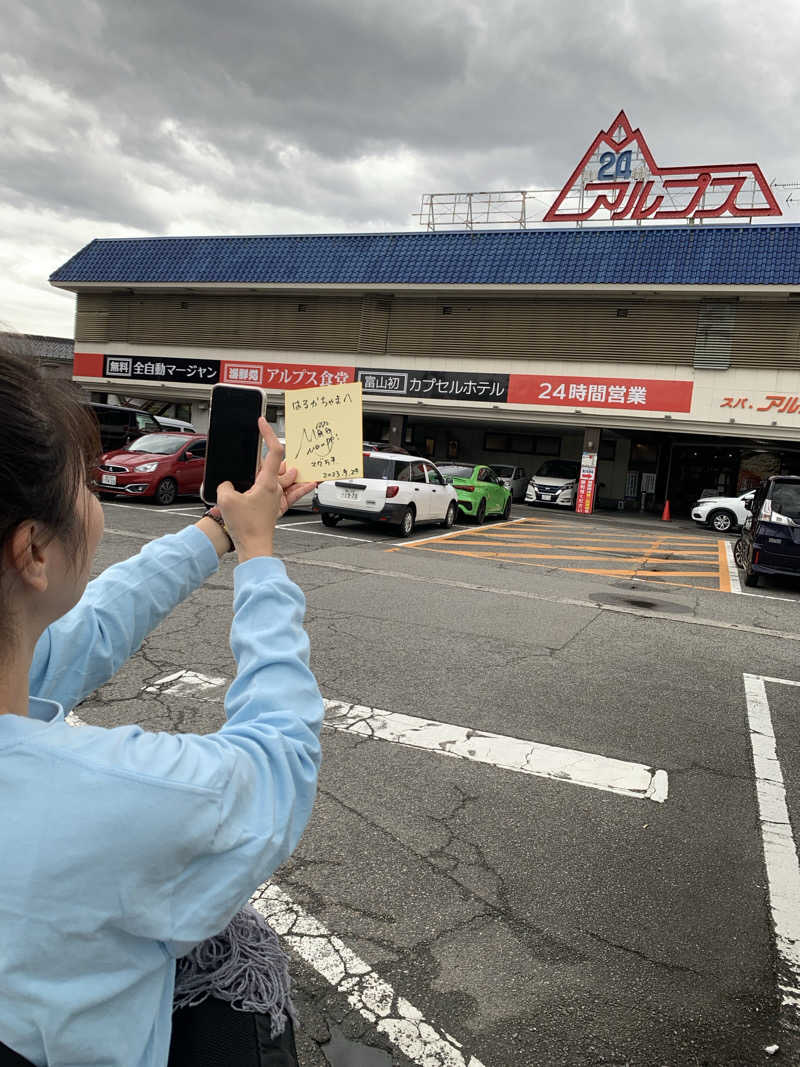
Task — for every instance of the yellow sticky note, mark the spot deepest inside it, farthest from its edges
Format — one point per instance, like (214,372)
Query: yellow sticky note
(324,435)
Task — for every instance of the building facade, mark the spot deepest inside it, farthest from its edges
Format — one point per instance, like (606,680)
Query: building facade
(673,352)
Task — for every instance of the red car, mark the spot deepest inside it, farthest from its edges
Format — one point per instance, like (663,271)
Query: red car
(159,465)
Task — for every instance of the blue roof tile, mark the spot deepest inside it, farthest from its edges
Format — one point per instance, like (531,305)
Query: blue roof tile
(675,255)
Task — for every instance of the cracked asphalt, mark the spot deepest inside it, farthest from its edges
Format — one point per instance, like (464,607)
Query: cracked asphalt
(539,923)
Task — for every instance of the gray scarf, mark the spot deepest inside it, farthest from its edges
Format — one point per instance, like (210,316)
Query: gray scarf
(244,965)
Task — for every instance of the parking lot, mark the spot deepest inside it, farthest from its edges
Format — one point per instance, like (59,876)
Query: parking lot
(543,833)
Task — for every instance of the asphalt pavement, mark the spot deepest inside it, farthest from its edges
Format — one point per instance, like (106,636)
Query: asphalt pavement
(528,902)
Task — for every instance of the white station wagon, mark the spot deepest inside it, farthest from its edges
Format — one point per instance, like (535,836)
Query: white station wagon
(398,489)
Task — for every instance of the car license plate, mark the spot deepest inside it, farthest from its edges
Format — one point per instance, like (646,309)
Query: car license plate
(350,494)
(108,479)
(547,496)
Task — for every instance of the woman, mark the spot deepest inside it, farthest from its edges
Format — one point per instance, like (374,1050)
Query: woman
(122,850)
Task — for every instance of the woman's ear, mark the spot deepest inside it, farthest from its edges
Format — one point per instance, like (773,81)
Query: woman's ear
(26,555)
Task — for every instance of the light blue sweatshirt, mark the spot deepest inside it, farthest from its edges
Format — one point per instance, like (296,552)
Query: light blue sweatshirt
(121,849)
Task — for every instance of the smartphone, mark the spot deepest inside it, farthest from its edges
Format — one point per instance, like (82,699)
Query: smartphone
(233,450)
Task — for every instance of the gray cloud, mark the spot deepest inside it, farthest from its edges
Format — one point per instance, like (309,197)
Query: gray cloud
(320,113)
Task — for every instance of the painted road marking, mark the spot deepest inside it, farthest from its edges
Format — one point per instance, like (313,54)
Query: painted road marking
(734,586)
(780,851)
(572,602)
(668,558)
(446,739)
(391,1014)
(508,753)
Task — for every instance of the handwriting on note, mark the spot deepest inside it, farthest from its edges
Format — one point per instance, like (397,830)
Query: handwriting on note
(324,436)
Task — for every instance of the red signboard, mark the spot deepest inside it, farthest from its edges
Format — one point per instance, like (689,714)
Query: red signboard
(622,394)
(619,178)
(283,375)
(88,365)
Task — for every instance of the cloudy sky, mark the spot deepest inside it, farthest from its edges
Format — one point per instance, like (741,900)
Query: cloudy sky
(142,117)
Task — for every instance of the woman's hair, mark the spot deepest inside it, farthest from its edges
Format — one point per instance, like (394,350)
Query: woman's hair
(48,440)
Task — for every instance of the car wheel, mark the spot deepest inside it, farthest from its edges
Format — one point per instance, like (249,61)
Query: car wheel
(330,520)
(480,515)
(407,523)
(450,517)
(167,491)
(721,521)
(506,511)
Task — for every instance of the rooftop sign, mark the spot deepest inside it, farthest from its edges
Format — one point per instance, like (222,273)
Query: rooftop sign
(619,179)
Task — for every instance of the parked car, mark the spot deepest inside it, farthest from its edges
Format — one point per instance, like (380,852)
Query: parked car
(555,482)
(396,488)
(514,478)
(480,491)
(722,513)
(159,465)
(120,426)
(305,501)
(179,425)
(770,538)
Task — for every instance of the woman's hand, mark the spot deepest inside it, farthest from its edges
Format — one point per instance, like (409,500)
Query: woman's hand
(250,517)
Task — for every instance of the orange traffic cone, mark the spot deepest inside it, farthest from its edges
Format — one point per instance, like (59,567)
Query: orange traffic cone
(665,516)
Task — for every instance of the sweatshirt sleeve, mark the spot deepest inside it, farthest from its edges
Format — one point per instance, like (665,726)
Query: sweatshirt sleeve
(88,645)
(258,773)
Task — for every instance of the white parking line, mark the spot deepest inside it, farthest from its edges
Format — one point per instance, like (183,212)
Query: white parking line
(446,739)
(404,1025)
(130,507)
(342,537)
(421,1041)
(733,570)
(780,851)
(508,753)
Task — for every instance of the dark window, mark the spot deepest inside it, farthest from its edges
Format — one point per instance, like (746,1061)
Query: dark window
(456,470)
(522,442)
(417,472)
(548,446)
(197,451)
(786,499)
(163,444)
(377,467)
(497,442)
(558,468)
(607,450)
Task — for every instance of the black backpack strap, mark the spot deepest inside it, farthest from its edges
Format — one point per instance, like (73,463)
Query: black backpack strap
(10,1058)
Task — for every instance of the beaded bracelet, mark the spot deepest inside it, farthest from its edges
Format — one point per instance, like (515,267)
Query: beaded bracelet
(215,514)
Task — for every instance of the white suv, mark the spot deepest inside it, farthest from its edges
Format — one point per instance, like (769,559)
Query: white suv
(399,489)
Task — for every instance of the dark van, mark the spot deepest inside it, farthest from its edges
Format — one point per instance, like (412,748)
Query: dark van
(120,426)
(770,541)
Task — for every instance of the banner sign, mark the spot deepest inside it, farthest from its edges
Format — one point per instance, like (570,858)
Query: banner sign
(281,376)
(584,501)
(137,368)
(619,178)
(545,390)
(625,394)
(435,385)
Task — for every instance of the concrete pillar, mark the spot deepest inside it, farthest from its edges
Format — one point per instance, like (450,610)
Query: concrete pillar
(397,430)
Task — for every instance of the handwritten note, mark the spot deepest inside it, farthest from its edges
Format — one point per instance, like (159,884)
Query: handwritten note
(324,436)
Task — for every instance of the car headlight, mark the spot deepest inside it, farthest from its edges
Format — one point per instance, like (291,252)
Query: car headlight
(146,468)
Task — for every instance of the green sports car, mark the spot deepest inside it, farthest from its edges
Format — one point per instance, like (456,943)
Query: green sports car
(480,491)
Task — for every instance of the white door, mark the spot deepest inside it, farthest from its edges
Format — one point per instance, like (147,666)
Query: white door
(439,497)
